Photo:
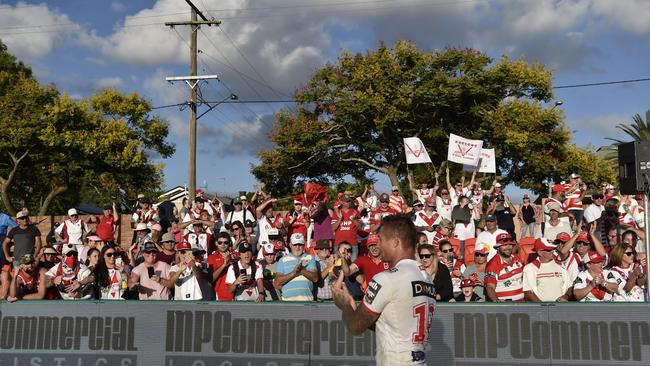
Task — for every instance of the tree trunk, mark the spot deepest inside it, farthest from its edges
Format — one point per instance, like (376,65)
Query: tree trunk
(57,190)
(5,183)
(391,171)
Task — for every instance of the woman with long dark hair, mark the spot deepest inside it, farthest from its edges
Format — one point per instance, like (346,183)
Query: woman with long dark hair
(109,276)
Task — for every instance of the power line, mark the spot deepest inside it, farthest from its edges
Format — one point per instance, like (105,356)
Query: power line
(601,83)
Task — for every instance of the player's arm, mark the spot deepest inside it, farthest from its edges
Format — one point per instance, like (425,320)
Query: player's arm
(358,320)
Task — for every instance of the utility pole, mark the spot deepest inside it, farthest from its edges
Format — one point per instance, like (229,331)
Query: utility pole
(193,81)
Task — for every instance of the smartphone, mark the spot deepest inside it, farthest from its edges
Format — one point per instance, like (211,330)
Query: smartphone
(150,271)
(118,261)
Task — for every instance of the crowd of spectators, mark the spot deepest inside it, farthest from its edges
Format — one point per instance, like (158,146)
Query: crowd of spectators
(576,245)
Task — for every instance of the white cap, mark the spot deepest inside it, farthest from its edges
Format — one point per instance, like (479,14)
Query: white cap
(498,185)
(67,248)
(22,213)
(72,211)
(297,238)
(296,202)
(243,198)
(395,188)
(272,231)
(609,186)
(575,175)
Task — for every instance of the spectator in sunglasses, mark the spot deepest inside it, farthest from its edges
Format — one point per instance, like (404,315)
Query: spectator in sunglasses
(439,272)
(455,266)
(28,281)
(151,277)
(218,263)
(544,278)
(70,277)
(476,270)
(628,275)
(591,285)
(109,275)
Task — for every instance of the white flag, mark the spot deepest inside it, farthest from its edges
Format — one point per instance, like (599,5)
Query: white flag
(464,151)
(488,161)
(415,151)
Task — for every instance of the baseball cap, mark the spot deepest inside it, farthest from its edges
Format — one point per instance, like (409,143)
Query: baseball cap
(557,188)
(322,244)
(269,248)
(394,188)
(491,217)
(498,185)
(543,244)
(373,239)
(482,248)
(526,197)
(418,203)
(140,196)
(94,238)
(467,283)
(503,239)
(554,206)
(583,237)
(244,247)
(297,202)
(67,248)
(243,198)
(150,247)
(236,201)
(183,246)
(72,212)
(384,198)
(575,175)
(199,199)
(564,237)
(27,258)
(168,237)
(297,238)
(21,214)
(592,256)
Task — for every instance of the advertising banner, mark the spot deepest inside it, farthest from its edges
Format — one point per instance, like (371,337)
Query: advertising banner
(183,333)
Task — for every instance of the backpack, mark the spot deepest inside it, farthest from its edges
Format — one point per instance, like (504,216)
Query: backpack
(237,270)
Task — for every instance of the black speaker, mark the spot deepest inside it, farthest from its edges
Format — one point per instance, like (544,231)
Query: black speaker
(634,167)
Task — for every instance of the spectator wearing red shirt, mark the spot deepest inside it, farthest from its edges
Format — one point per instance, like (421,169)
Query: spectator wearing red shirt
(382,211)
(167,253)
(297,220)
(107,224)
(504,273)
(369,265)
(397,202)
(345,224)
(218,263)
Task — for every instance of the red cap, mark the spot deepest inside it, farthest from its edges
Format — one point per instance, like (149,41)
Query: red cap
(183,245)
(592,256)
(526,196)
(563,237)
(543,244)
(558,188)
(268,248)
(583,237)
(467,283)
(503,238)
(373,239)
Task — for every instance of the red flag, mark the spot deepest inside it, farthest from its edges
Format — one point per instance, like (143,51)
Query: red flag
(313,193)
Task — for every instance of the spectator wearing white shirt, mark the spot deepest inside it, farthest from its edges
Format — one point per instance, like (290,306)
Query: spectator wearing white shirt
(544,278)
(73,230)
(245,277)
(554,225)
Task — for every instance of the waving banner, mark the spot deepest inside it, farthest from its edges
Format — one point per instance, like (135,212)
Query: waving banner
(464,151)
(415,151)
(488,161)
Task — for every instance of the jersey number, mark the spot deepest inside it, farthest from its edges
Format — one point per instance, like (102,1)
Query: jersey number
(424,321)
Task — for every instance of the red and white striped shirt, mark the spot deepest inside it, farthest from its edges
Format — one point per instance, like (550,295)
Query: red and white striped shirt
(397,203)
(507,277)
(573,200)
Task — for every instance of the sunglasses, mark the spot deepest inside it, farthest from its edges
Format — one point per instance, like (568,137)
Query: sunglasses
(347,250)
(480,255)
(582,243)
(150,252)
(629,254)
(236,228)
(448,251)
(222,242)
(426,256)
(109,255)
(269,254)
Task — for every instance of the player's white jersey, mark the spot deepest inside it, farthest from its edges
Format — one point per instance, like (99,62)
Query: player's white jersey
(404,299)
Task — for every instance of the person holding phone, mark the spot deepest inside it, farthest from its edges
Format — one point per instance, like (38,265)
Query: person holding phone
(245,276)
(151,277)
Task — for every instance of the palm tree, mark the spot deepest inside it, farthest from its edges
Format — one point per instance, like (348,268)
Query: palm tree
(638,131)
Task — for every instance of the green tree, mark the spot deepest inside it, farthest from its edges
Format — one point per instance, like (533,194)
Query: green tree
(353,113)
(63,150)
(638,130)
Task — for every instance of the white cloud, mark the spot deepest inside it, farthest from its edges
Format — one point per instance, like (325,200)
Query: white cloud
(109,82)
(33,31)
(164,92)
(118,7)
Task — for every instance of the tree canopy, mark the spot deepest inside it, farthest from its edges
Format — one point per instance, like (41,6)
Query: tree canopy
(60,151)
(353,114)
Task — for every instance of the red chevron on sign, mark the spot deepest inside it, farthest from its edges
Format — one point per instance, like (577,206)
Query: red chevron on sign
(416,152)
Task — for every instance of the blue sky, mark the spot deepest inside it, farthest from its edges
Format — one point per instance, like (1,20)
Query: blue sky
(265,49)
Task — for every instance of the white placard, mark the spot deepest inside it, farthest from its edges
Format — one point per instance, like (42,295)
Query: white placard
(464,151)
(415,151)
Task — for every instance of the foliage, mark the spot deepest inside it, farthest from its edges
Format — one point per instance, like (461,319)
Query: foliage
(62,151)
(639,130)
(354,113)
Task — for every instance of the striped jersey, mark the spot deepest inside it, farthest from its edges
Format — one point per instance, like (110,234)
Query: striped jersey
(397,203)
(507,277)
